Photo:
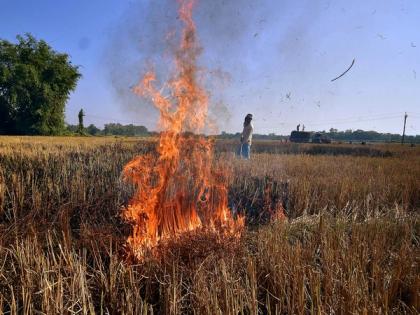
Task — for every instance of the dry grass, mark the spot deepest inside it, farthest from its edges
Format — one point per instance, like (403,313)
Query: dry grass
(358,186)
(352,249)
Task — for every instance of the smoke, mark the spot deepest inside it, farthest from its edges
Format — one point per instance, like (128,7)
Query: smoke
(136,43)
(237,40)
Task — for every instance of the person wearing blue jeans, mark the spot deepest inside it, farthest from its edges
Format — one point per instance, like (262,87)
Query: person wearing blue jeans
(246,138)
(245,151)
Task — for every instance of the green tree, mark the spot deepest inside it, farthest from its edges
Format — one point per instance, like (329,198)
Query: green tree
(93,130)
(35,83)
(81,126)
(125,130)
(72,129)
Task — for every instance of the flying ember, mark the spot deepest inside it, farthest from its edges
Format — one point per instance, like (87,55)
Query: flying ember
(180,188)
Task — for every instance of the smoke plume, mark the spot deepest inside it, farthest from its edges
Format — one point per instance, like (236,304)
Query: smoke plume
(233,35)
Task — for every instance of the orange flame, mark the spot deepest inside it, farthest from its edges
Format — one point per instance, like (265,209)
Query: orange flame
(181,189)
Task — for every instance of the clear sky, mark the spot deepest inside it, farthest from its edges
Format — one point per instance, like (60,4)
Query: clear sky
(272,58)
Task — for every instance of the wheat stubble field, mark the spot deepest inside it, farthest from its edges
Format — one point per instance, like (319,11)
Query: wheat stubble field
(348,242)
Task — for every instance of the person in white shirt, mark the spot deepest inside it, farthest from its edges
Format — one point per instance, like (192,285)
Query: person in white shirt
(246,138)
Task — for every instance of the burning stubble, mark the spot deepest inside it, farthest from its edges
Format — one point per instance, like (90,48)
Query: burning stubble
(182,189)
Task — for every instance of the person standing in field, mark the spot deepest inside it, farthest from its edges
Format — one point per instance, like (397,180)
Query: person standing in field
(246,138)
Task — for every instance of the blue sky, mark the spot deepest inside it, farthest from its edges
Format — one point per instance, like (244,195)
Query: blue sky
(273,58)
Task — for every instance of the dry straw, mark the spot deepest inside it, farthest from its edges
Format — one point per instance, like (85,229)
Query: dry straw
(350,246)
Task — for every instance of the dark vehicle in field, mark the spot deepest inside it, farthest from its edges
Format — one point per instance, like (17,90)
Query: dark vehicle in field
(300,136)
(320,138)
(307,136)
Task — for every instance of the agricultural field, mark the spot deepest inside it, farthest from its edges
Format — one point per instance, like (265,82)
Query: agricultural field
(344,238)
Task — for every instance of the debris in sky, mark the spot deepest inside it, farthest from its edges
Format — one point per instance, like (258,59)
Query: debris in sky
(318,103)
(381,36)
(415,74)
(374,12)
(344,71)
(413,45)
(288,95)
(256,34)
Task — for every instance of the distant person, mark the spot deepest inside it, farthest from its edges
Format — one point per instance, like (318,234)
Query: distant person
(246,138)
(297,127)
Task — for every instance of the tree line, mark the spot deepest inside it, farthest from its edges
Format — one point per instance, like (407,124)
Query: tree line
(362,135)
(336,135)
(111,129)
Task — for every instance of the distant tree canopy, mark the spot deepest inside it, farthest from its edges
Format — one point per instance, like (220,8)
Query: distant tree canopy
(363,135)
(35,83)
(125,130)
(93,130)
(110,129)
(334,134)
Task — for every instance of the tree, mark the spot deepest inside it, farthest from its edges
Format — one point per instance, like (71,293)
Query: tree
(93,130)
(125,130)
(35,83)
(72,128)
(80,116)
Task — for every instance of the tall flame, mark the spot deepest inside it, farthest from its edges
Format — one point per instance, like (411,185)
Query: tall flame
(181,189)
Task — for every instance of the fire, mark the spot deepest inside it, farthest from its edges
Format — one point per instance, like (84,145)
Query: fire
(181,189)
